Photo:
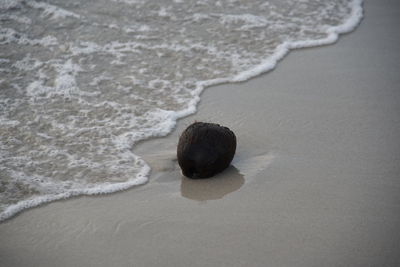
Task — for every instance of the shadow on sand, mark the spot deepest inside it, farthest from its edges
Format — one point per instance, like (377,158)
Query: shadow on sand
(212,188)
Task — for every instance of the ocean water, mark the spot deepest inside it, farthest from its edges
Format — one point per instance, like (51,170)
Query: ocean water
(82,81)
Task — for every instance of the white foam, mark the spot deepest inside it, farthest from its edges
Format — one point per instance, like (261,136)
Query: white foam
(52,11)
(14,209)
(333,35)
(27,63)
(197,17)
(248,20)
(131,2)
(12,36)
(64,82)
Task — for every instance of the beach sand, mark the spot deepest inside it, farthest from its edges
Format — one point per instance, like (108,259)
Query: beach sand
(315,180)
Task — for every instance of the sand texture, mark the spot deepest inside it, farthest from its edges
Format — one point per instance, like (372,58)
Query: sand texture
(315,180)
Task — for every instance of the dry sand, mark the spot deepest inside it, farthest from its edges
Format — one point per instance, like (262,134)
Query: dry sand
(315,181)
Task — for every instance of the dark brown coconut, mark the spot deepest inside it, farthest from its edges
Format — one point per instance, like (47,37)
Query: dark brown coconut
(205,149)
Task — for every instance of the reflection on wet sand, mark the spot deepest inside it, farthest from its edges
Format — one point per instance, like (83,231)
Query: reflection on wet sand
(212,188)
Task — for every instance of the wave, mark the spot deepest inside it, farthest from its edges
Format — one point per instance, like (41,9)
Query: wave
(75,104)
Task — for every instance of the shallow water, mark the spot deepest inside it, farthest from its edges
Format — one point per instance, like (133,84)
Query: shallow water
(82,81)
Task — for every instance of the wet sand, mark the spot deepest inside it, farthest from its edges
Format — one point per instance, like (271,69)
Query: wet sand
(315,180)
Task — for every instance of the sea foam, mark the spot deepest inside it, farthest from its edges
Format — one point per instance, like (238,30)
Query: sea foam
(81,83)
